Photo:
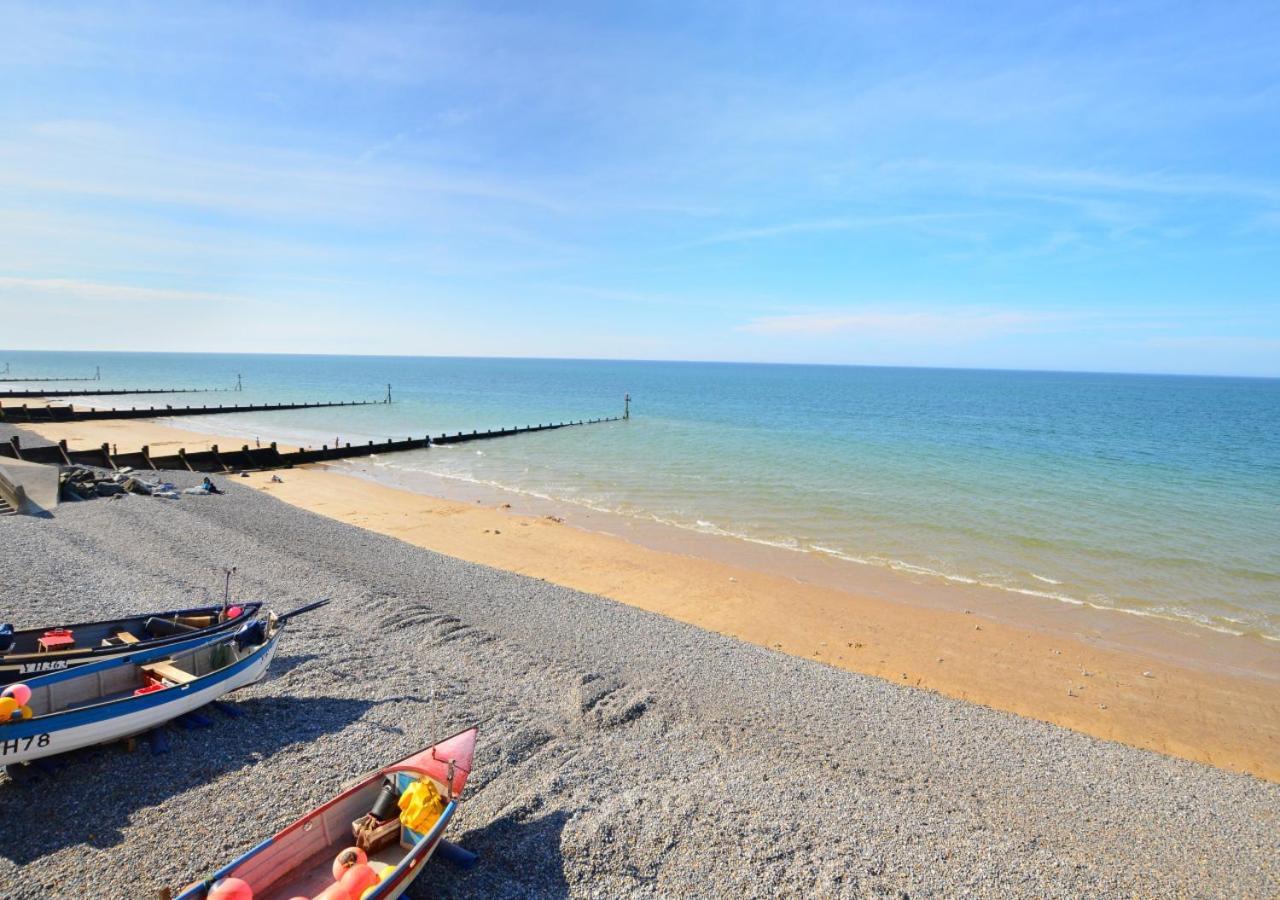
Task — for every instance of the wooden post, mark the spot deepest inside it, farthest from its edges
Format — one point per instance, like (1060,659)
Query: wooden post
(626,407)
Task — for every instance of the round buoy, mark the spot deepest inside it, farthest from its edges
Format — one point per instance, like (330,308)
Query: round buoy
(352,856)
(8,706)
(230,889)
(19,692)
(358,879)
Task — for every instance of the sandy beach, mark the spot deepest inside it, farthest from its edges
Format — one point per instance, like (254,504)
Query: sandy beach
(1190,693)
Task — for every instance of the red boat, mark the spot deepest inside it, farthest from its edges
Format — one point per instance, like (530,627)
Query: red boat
(368,843)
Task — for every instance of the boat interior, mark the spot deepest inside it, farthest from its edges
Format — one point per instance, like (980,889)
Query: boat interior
(121,681)
(44,642)
(307,859)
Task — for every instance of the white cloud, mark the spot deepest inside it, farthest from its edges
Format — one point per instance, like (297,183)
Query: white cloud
(932,325)
(94,291)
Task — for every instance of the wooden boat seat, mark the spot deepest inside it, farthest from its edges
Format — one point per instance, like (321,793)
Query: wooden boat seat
(169,672)
(126,637)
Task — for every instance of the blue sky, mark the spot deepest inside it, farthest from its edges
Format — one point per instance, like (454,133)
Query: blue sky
(1008,185)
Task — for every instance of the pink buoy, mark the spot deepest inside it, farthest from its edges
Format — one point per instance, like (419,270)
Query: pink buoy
(234,612)
(230,889)
(19,692)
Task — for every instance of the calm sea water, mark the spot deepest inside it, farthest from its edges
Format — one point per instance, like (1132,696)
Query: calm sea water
(1149,494)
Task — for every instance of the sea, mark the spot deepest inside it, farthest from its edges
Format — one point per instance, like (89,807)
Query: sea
(1150,495)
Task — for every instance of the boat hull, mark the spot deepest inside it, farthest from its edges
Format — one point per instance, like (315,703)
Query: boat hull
(21,666)
(37,738)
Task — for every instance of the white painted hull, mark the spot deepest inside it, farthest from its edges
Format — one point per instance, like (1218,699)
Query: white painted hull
(185,698)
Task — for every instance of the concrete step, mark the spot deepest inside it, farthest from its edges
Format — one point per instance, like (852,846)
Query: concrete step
(6,509)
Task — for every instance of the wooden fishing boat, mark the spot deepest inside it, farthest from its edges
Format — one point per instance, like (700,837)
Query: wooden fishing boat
(34,651)
(99,702)
(370,842)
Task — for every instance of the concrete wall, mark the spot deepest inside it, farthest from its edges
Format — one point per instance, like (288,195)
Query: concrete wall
(40,482)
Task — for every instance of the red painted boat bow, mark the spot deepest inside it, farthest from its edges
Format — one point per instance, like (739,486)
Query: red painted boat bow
(435,760)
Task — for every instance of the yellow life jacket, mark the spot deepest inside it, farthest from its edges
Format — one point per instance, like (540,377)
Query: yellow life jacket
(420,806)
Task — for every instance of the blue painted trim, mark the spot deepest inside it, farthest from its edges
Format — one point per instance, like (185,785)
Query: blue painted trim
(100,712)
(418,850)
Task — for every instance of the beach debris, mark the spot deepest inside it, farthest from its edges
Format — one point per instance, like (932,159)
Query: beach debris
(1102,706)
(276,479)
(555,519)
(79,483)
(977,627)
(1147,674)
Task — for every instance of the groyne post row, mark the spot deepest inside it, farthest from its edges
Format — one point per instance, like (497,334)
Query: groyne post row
(69,413)
(97,376)
(249,458)
(31,395)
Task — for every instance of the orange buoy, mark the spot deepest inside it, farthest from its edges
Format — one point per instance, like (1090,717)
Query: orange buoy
(352,856)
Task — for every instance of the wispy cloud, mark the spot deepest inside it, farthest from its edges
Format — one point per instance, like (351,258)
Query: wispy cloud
(933,325)
(843,223)
(104,292)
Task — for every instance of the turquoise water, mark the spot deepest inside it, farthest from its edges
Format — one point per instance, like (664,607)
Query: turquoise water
(1149,494)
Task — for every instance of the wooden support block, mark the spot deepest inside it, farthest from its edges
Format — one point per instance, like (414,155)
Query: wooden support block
(126,637)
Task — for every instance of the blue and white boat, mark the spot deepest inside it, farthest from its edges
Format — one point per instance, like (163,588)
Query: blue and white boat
(28,652)
(100,702)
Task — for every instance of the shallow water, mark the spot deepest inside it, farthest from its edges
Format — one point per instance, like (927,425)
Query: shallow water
(1148,494)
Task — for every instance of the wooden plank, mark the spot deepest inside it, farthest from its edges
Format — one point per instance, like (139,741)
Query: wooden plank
(126,637)
(169,672)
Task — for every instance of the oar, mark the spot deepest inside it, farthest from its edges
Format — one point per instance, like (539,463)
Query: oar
(302,609)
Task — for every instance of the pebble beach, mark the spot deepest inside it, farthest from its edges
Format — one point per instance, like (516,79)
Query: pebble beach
(621,753)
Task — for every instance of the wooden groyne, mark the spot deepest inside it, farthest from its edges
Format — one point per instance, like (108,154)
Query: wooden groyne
(249,458)
(24,413)
(96,376)
(35,395)
(44,380)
